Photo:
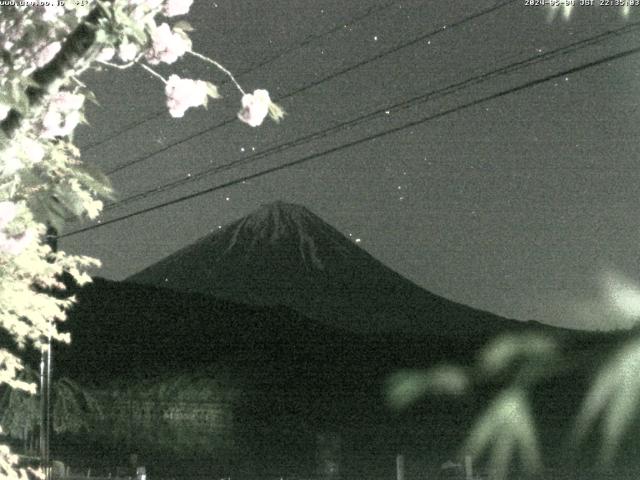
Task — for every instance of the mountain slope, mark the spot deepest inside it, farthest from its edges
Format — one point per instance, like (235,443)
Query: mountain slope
(282,254)
(123,329)
(294,377)
(281,372)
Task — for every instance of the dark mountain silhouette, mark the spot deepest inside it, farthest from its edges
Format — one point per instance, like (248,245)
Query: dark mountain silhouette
(283,254)
(293,377)
(124,329)
(127,332)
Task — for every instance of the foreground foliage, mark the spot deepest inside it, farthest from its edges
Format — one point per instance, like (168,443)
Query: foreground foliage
(43,52)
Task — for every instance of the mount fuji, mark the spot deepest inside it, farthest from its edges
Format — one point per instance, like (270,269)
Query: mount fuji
(284,255)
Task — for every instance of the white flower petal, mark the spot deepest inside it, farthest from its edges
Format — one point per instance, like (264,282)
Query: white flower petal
(184,93)
(167,45)
(173,8)
(255,107)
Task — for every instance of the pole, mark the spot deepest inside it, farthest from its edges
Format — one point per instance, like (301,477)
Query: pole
(43,408)
(45,399)
(400,467)
(48,405)
(51,239)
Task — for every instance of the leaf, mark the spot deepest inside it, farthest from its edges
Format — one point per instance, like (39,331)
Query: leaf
(184,26)
(623,294)
(20,100)
(91,97)
(94,179)
(614,396)
(506,428)
(407,386)
(139,34)
(276,112)
(506,350)
(55,216)
(212,90)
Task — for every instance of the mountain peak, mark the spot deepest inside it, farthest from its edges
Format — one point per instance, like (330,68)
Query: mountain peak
(284,254)
(280,211)
(288,227)
(282,206)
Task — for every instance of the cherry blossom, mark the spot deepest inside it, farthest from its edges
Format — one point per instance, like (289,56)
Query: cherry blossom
(167,45)
(45,55)
(183,93)
(63,115)
(255,107)
(106,54)
(173,8)
(127,51)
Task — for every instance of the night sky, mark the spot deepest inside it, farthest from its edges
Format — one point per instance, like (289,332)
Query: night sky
(526,205)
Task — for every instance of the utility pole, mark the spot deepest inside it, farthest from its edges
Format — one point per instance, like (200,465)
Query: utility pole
(45,378)
(400,468)
(51,239)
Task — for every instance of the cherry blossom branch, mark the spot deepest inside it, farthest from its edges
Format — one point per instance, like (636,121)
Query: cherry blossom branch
(154,73)
(124,66)
(49,77)
(220,67)
(78,81)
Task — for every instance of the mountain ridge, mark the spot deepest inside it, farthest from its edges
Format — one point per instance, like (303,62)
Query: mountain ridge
(284,254)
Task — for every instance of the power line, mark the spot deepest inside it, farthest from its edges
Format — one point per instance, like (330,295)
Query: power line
(315,83)
(360,141)
(292,48)
(450,89)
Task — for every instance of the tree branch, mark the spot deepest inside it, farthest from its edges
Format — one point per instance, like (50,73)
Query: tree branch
(47,78)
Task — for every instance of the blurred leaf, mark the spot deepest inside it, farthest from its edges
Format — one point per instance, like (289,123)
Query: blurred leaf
(503,352)
(623,294)
(93,178)
(407,386)
(276,112)
(184,26)
(47,210)
(614,396)
(139,35)
(212,90)
(506,429)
